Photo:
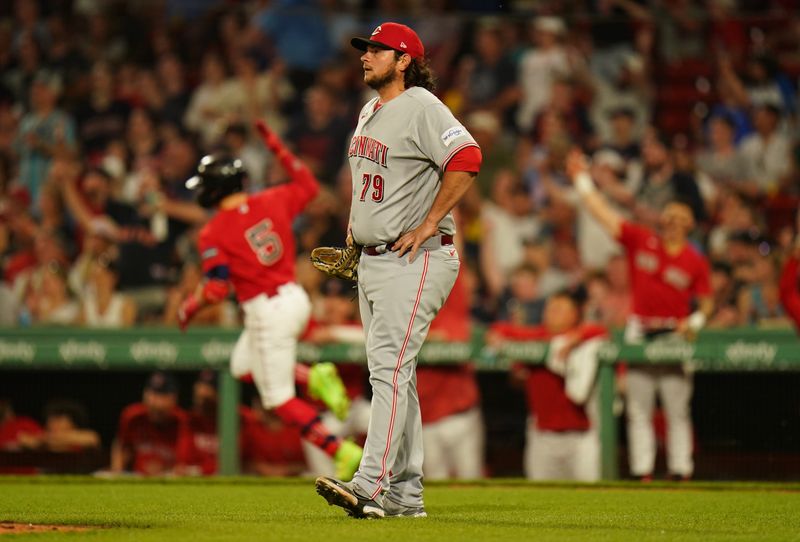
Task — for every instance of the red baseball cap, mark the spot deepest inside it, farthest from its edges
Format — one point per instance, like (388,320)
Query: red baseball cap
(392,36)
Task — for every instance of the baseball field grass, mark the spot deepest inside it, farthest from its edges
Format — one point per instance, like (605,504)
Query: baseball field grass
(265,510)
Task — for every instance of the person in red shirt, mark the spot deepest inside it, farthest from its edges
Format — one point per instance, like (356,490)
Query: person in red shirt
(277,448)
(667,276)
(449,399)
(17,434)
(151,433)
(199,453)
(562,441)
(249,244)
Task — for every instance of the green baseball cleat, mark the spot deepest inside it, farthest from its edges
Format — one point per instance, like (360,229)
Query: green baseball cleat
(325,385)
(347,458)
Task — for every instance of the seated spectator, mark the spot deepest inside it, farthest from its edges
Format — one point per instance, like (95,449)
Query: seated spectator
(199,454)
(563,438)
(767,153)
(102,306)
(151,433)
(66,428)
(721,159)
(522,303)
(726,291)
(449,399)
(48,301)
(507,222)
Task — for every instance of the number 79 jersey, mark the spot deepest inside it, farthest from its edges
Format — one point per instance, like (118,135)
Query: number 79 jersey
(398,155)
(255,241)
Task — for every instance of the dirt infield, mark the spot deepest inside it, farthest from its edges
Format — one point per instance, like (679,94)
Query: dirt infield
(11,527)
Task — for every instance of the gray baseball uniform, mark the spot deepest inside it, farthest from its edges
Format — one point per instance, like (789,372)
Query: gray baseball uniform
(397,157)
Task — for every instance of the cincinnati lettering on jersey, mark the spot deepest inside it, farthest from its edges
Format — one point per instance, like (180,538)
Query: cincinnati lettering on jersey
(369,148)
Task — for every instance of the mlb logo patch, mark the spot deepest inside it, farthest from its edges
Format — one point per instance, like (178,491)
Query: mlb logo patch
(452,133)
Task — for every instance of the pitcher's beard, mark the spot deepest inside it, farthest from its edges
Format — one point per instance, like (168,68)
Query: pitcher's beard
(380,82)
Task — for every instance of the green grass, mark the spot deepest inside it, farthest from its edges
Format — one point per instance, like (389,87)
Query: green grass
(258,510)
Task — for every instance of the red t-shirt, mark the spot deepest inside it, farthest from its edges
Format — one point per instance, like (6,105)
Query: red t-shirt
(154,446)
(663,285)
(203,448)
(445,390)
(545,391)
(255,240)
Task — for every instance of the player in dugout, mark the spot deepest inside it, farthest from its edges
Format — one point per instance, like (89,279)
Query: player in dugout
(669,277)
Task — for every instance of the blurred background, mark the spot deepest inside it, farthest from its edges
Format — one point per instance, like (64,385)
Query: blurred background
(106,106)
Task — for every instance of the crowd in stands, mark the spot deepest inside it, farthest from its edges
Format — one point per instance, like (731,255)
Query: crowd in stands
(106,107)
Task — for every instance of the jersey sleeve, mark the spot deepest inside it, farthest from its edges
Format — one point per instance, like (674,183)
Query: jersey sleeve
(632,235)
(211,254)
(302,187)
(438,135)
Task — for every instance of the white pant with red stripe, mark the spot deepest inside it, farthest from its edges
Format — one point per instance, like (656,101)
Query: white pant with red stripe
(398,300)
(267,347)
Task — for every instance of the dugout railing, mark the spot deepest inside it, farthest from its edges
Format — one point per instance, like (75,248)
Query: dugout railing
(48,348)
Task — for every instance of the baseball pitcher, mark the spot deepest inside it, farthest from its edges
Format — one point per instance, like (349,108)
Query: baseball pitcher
(411,162)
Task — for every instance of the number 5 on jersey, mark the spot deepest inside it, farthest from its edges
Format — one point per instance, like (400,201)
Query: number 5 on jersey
(375,182)
(264,242)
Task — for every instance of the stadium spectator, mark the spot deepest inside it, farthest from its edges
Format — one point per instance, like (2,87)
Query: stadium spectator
(259,93)
(101,117)
(319,134)
(562,441)
(102,306)
(278,448)
(44,133)
(208,113)
(17,432)
(721,159)
(767,152)
(151,433)
(522,303)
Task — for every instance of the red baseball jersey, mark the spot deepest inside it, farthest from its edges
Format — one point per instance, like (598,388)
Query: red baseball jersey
(255,240)
(545,391)
(154,446)
(663,285)
(202,450)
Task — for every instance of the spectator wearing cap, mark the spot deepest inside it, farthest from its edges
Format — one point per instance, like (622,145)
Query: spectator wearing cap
(44,133)
(767,152)
(562,440)
(102,305)
(200,453)
(151,433)
(539,67)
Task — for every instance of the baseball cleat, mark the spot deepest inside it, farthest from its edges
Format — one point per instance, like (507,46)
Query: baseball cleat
(396,510)
(345,495)
(325,385)
(347,458)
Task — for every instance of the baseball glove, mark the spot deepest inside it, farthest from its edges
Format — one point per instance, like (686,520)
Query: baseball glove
(337,261)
